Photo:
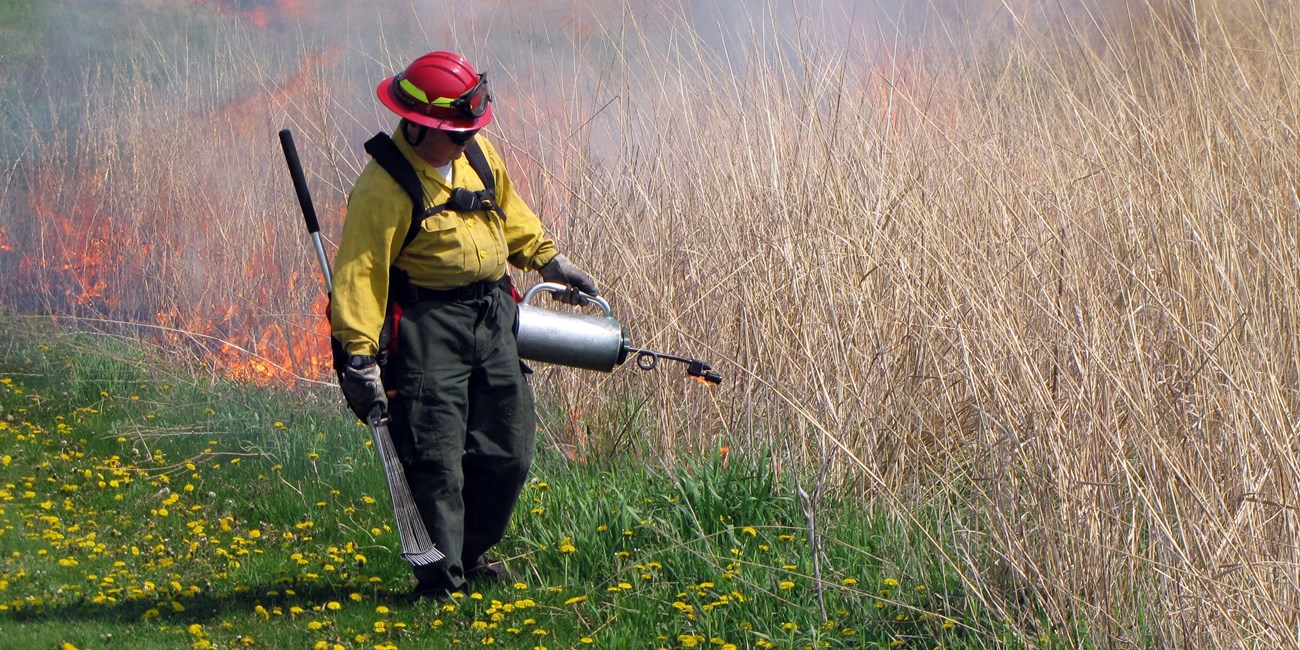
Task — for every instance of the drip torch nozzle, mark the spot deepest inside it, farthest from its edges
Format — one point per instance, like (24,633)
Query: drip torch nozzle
(701,371)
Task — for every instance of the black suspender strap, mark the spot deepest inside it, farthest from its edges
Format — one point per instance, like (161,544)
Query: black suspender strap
(385,152)
(478,161)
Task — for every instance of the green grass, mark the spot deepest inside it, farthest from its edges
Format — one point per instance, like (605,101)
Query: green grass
(143,502)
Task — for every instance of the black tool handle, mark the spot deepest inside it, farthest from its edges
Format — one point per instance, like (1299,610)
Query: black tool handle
(299,181)
(304,201)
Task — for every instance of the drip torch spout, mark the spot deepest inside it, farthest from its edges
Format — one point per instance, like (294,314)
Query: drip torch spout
(648,360)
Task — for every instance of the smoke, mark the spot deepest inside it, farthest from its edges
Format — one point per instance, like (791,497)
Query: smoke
(142,179)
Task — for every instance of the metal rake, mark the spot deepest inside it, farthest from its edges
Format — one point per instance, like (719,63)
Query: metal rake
(417,548)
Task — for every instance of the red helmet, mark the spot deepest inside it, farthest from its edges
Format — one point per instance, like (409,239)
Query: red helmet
(439,90)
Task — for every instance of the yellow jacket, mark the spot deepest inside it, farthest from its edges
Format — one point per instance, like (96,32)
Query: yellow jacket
(453,249)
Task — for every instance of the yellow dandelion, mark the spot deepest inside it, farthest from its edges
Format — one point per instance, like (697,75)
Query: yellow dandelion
(575,600)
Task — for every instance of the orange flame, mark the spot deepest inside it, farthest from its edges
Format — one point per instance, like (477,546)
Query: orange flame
(278,354)
(260,13)
(80,255)
(88,254)
(248,114)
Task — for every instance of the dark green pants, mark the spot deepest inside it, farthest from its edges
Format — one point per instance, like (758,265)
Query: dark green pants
(463,424)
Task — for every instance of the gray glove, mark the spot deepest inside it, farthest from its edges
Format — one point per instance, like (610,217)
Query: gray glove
(560,270)
(362,387)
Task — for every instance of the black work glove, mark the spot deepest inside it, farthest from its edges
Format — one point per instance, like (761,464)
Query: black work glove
(560,270)
(361,386)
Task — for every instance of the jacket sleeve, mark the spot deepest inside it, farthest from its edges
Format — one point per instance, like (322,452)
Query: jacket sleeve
(529,246)
(378,216)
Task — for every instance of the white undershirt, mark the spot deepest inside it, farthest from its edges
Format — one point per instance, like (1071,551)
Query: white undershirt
(445,171)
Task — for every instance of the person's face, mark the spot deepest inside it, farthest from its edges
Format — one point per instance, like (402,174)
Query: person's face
(442,147)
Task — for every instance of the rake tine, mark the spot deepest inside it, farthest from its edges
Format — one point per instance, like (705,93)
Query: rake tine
(417,548)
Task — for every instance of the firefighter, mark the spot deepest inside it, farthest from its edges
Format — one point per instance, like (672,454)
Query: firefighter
(461,408)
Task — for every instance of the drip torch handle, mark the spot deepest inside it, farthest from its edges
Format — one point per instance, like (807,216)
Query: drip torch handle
(556,287)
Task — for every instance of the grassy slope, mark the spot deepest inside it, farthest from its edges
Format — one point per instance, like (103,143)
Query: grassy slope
(153,504)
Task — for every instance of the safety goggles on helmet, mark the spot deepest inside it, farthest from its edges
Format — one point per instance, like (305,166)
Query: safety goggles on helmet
(473,103)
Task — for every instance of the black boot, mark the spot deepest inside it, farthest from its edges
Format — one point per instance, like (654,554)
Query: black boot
(490,569)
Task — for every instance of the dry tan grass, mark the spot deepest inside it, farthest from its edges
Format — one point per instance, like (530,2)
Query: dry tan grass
(1034,288)
(1044,285)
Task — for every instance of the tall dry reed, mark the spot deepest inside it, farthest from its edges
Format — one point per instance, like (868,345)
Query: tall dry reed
(1042,284)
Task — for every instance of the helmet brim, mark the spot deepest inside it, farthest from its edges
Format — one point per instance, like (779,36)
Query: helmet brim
(457,123)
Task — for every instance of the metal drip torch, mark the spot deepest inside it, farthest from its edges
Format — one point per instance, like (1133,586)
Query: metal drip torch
(586,341)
